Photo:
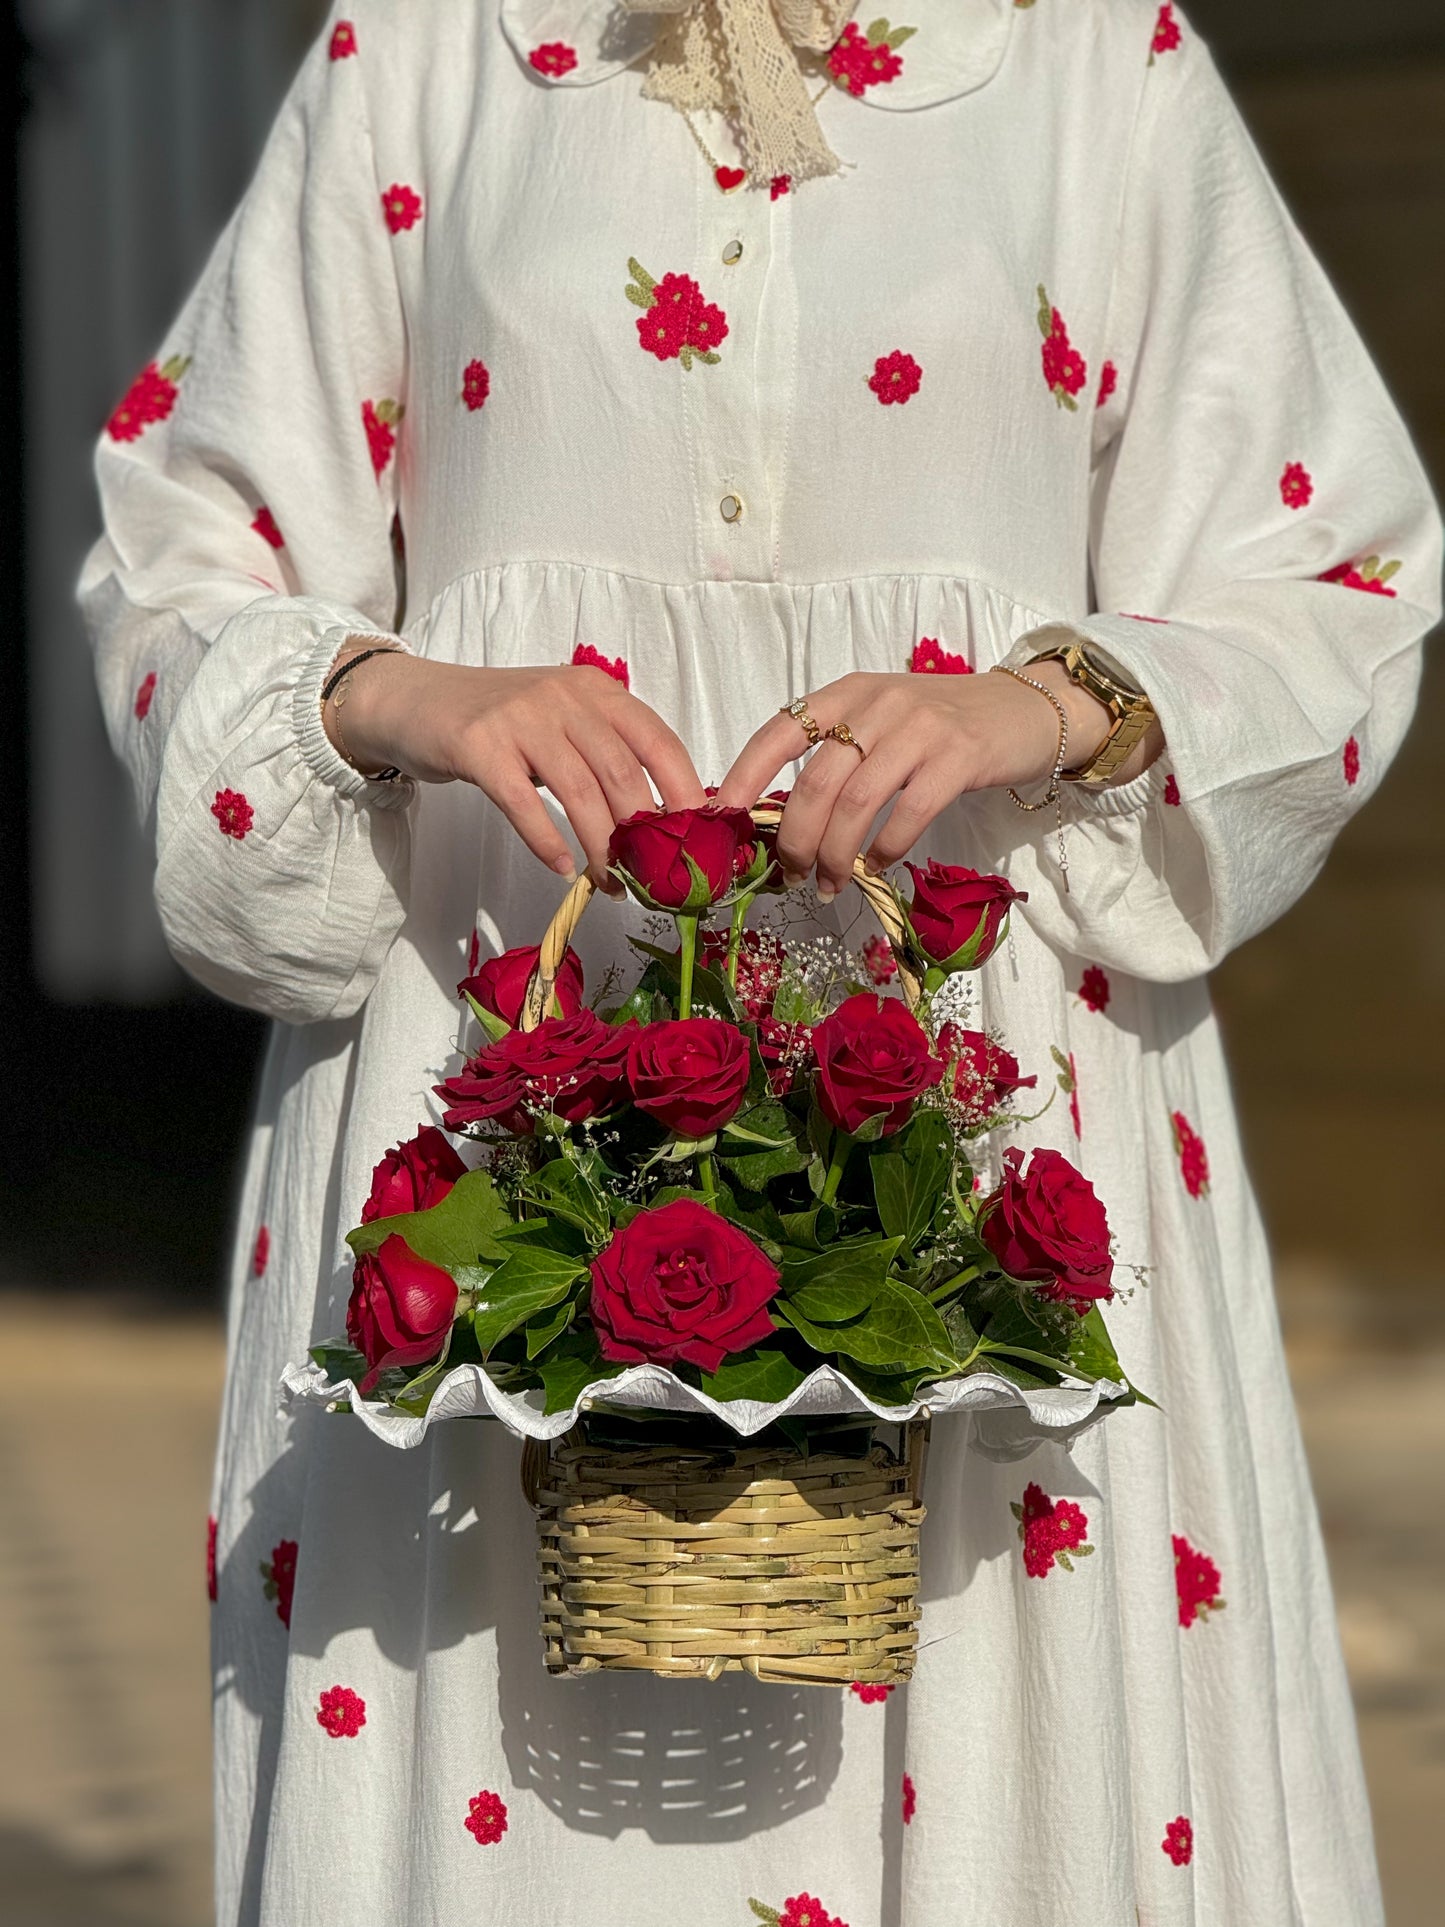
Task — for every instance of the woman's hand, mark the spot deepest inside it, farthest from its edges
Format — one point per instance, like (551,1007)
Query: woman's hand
(577,731)
(929,739)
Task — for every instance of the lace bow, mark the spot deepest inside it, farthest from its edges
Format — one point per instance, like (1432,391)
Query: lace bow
(741,57)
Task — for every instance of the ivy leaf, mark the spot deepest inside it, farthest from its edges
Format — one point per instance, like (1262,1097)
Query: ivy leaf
(911,1177)
(813,1230)
(832,1301)
(899,1329)
(863,1261)
(531,1280)
(339,1361)
(540,1332)
(764,1374)
(469,1224)
(566,1191)
(709,986)
(573,1364)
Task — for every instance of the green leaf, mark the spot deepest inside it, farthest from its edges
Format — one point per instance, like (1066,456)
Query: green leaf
(1091,1350)
(339,1361)
(877,32)
(910,1179)
(764,1912)
(814,1230)
(900,1328)
(541,1331)
(832,1301)
(469,1224)
(899,35)
(758,1218)
(709,987)
(763,1374)
(565,1190)
(531,1280)
(863,1261)
(495,1026)
(637,297)
(766,1126)
(642,1007)
(640,276)
(573,1363)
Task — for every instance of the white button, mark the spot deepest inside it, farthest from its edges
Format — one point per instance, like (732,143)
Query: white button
(732,253)
(730,508)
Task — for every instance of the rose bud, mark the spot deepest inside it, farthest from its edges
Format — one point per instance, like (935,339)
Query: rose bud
(767,835)
(958,915)
(413,1177)
(1046,1227)
(873,1060)
(760,967)
(681,1283)
(982,1075)
(574,1067)
(500,985)
(401,1308)
(786,1051)
(690,1075)
(650,852)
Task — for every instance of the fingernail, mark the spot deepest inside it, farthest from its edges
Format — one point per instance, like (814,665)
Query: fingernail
(793,880)
(565,867)
(826,893)
(873,866)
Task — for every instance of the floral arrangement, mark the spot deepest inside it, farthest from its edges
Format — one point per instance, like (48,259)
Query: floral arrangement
(756,1162)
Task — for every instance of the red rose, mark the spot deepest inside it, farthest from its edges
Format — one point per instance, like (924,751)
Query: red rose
(957,914)
(1046,1227)
(500,985)
(413,1177)
(651,850)
(873,1060)
(982,1075)
(573,1066)
(681,1283)
(689,1075)
(401,1308)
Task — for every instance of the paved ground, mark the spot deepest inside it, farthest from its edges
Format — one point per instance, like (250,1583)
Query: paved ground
(104,1811)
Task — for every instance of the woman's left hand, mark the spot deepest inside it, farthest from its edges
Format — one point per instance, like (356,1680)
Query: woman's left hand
(927,740)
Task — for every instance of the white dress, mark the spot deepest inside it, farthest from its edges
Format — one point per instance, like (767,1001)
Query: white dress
(1049,350)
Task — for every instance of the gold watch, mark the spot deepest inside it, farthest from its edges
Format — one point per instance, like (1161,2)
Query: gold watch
(1130,711)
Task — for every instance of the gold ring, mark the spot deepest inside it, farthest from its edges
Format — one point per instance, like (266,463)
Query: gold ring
(841,733)
(798,710)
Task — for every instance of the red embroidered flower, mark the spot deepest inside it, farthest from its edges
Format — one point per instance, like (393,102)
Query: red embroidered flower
(1178,1841)
(678,322)
(341,1712)
(1196,1581)
(858,61)
(280,1577)
(265,526)
(1371,575)
(474,953)
(879,961)
(343,41)
(553,58)
(233,813)
(871,1693)
(803,1911)
(1163,621)
(779,185)
(150,398)
(1352,762)
(1166,32)
(1171,790)
(144,695)
(262,1252)
(930,658)
(895,377)
(1296,486)
(910,1800)
(584,656)
(1074,1096)
(476,384)
(1051,1529)
(380,419)
(402,207)
(211,1529)
(1193,1159)
(1065,370)
(486,1819)
(1108,382)
(1095,988)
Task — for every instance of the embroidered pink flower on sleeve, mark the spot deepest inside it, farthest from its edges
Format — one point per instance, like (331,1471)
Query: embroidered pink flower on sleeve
(233,813)
(1166,32)
(1051,1529)
(476,385)
(910,1800)
(486,1819)
(801,1911)
(279,1573)
(474,953)
(380,420)
(261,1255)
(1351,761)
(879,961)
(584,656)
(341,1712)
(896,377)
(553,58)
(150,398)
(144,695)
(677,323)
(1372,576)
(872,1693)
(1196,1581)
(264,525)
(1178,1841)
(211,1530)
(861,60)
(1095,988)
(1296,486)
(778,186)
(930,658)
(1171,790)
(343,41)
(1108,383)
(401,206)
(1163,621)
(1193,1159)
(1065,370)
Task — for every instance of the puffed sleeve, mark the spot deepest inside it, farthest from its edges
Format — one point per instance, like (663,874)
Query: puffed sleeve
(248,488)
(1265,555)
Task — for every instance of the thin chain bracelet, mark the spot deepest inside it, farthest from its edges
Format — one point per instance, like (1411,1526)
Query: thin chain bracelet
(336,688)
(1053,794)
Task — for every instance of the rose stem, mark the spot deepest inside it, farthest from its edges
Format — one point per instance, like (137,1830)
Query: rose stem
(687,930)
(708,1175)
(842,1146)
(735,938)
(955,1283)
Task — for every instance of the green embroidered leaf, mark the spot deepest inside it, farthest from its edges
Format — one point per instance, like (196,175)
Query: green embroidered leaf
(637,297)
(1388,569)
(531,1280)
(175,367)
(764,1912)
(706,354)
(877,32)
(640,275)
(1066,400)
(467,1226)
(1046,313)
(900,34)
(685,357)
(763,1374)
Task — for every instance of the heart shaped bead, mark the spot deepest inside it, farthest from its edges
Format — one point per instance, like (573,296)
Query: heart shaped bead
(728,178)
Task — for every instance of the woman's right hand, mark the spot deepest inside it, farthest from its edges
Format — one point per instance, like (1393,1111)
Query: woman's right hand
(574,730)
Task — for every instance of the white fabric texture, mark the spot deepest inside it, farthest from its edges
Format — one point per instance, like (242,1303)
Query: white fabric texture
(435,204)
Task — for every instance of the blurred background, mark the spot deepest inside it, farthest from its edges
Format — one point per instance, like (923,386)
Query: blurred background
(134,125)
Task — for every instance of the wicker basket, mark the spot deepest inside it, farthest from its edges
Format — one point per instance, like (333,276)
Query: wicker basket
(693,1563)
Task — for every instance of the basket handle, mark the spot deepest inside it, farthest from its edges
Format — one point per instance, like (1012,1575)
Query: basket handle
(568,914)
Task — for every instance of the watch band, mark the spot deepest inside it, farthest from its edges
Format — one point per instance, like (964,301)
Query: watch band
(1130,712)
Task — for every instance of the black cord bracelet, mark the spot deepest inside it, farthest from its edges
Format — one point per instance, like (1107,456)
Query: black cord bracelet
(391,774)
